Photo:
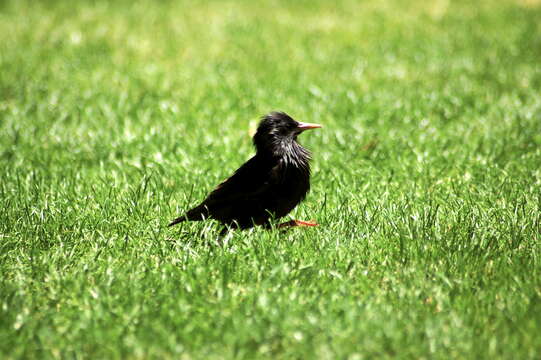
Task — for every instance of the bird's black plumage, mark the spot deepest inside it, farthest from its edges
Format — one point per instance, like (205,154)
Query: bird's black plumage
(269,185)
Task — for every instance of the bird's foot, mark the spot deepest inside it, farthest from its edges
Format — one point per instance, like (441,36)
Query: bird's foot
(295,223)
(225,235)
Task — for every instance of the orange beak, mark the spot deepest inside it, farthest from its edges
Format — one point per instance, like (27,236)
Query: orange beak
(308,126)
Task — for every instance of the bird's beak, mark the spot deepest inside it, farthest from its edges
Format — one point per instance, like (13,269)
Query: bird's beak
(307,126)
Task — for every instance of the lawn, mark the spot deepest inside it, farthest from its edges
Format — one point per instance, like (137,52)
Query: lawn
(115,117)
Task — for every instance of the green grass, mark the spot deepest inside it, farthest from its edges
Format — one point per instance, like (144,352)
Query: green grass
(114,118)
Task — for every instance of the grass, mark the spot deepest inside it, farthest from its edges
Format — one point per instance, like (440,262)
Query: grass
(115,117)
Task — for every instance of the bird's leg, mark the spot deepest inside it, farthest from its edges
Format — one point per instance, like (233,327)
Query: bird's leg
(224,231)
(295,223)
(224,236)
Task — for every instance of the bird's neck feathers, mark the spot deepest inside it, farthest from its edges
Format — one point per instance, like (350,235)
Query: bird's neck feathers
(286,148)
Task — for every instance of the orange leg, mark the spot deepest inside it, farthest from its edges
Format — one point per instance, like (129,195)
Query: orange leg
(295,223)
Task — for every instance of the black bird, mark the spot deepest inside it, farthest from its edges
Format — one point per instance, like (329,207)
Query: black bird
(269,185)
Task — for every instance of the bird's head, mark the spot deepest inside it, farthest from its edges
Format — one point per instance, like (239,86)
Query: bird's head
(278,128)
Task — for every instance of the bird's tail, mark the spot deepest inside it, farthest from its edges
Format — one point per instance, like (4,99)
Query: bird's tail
(196,214)
(177,220)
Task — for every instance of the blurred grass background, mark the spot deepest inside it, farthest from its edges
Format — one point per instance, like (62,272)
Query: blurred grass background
(117,116)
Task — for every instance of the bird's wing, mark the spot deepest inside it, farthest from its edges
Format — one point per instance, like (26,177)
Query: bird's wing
(250,180)
(248,183)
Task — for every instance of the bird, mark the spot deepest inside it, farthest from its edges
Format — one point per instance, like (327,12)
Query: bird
(266,187)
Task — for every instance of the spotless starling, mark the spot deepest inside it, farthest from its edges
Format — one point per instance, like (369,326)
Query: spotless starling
(269,185)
